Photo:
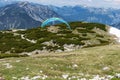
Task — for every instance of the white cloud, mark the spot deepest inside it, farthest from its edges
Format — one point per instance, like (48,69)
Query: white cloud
(96,3)
(117,1)
(108,0)
(90,0)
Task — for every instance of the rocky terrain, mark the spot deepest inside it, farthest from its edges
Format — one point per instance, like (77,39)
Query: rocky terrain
(86,52)
(93,63)
(56,38)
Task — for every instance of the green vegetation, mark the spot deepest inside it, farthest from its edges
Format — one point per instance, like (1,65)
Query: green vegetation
(84,63)
(88,26)
(95,57)
(12,55)
(82,34)
(13,44)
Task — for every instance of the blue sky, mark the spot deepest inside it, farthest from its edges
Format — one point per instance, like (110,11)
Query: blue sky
(96,3)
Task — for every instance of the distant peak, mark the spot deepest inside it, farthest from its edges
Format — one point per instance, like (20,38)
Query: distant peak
(21,4)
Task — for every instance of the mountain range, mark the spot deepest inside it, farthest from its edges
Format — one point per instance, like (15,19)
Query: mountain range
(82,13)
(25,15)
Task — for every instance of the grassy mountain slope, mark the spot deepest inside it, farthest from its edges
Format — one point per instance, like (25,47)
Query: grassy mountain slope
(95,62)
(55,38)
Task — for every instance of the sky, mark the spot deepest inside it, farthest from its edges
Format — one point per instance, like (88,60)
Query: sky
(92,3)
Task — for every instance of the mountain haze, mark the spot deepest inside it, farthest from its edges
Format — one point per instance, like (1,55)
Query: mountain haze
(24,15)
(82,13)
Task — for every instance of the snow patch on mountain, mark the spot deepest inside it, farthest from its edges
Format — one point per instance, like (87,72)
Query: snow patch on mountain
(116,32)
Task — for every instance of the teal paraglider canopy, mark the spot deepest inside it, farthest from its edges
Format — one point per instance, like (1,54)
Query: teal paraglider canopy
(54,19)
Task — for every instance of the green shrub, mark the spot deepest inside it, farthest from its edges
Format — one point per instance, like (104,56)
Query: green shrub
(14,44)
(12,55)
(85,31)
(84,34)
(101,36)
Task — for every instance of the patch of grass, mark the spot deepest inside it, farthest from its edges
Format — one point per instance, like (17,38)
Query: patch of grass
(115,79)
(88,60)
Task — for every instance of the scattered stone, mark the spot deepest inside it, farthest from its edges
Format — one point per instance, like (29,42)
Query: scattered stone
(58,51)
(25,78)
(53,29)
(83,79)
(106,68)
(109,77)
(65,76)
(8,65)
(27,68)
(50,43)
(36,77)
(14,78)
(75,66)
(81,74)
(52,68)
(44,77)
(117,75)
(69,78)
(106,77)
(96,77)
(87,75)
(69,47)
(73,77)
(41,71)
(18,61)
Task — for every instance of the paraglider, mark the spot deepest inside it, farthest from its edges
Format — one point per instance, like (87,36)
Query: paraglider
(54,19)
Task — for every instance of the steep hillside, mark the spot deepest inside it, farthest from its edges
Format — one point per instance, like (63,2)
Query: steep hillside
(56,38)
(95,63)
(24,15)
